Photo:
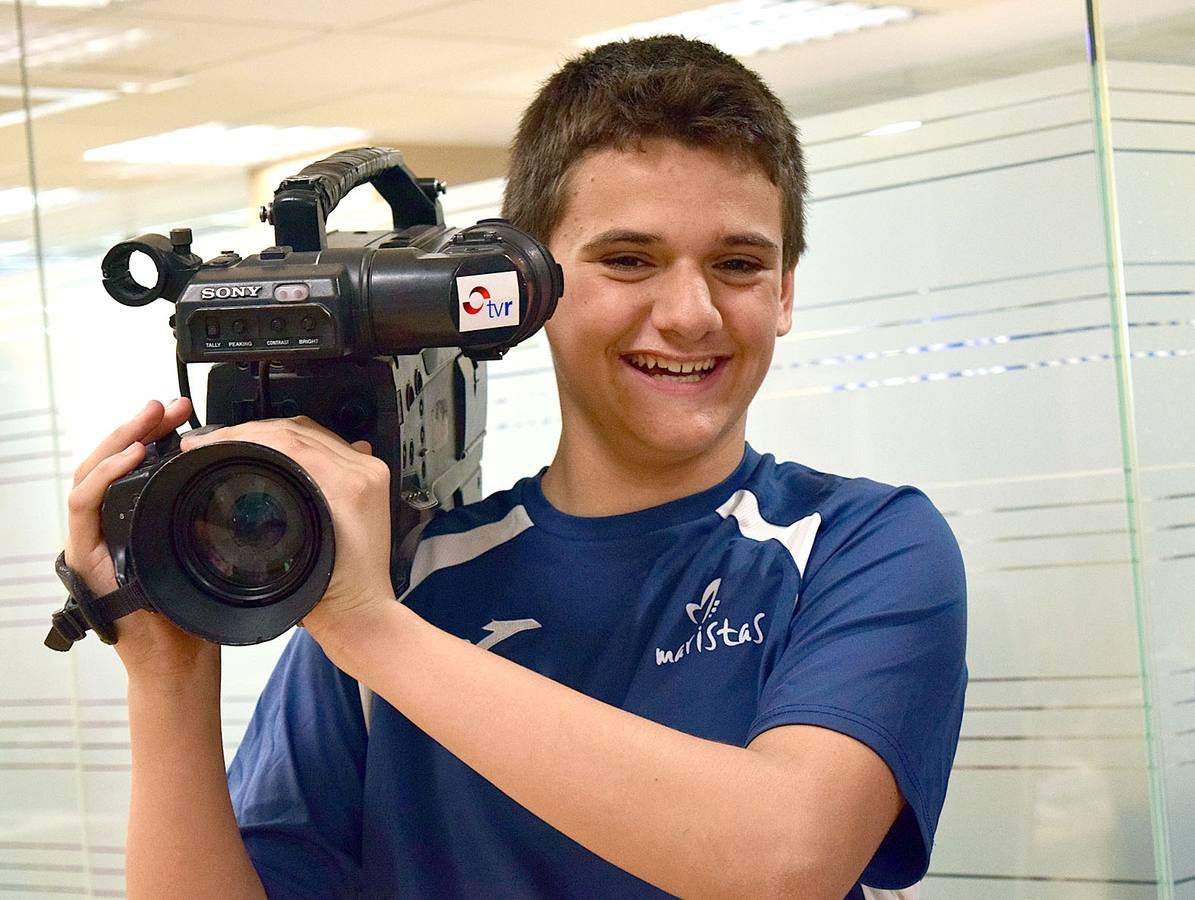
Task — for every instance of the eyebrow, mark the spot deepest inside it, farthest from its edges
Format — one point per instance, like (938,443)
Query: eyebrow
(751,239)
(628,236)
(620,236)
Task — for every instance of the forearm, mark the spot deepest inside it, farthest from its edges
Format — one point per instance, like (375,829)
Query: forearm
(183,839)
(691,816)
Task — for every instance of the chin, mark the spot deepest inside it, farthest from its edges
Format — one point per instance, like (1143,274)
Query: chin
(681,445)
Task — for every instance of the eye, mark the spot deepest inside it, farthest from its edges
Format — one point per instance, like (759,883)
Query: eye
(625,262)
(741,265)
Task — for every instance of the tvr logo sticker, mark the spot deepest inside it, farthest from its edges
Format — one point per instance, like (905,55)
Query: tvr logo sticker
(482,295)
(488,301)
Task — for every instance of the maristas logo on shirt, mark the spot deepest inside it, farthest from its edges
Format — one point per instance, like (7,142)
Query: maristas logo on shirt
(712,633)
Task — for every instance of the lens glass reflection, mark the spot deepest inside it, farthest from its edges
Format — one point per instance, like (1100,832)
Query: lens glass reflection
(248,529)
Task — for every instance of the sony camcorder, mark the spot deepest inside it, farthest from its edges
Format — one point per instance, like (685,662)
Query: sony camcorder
(381,336)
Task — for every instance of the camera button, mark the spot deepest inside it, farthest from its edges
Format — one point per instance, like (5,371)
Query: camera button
(213,328)
(290,293)
(277,324)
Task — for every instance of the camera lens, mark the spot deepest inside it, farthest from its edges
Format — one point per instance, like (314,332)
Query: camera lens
(231,541)
(245,532)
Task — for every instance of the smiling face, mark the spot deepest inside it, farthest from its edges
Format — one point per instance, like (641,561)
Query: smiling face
(674,296)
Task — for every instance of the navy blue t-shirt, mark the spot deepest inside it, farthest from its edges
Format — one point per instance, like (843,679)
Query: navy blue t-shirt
(781,596)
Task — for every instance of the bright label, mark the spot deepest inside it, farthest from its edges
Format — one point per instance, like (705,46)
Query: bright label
(488,301)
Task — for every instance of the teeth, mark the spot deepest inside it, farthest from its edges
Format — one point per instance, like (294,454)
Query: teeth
(693,369)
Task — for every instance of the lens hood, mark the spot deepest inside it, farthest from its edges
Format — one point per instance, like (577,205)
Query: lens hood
(232,542)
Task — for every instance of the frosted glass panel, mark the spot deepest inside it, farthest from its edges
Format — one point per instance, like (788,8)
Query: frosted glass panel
(952,330)
(1152,110)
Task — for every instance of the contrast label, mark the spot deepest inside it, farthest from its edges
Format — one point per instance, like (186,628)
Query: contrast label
(488,301)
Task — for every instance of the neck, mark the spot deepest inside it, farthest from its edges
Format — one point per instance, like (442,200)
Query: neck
(587,480)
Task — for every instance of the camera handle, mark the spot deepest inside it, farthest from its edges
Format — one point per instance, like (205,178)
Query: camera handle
(303,202)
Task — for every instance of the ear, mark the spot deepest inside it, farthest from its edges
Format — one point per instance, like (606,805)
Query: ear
(784,317)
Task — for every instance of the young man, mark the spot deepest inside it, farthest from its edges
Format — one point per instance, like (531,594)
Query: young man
(665,664)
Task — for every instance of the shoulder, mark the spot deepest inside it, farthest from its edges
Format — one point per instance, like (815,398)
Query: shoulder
(841,513)
(787,488)
(463,534)
(493,509)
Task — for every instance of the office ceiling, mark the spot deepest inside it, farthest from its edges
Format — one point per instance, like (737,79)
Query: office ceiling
(455,74)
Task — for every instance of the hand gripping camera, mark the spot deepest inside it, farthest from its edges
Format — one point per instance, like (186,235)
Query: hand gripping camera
(380,336)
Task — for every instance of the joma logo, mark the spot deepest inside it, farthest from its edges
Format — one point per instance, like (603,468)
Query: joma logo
(226,292)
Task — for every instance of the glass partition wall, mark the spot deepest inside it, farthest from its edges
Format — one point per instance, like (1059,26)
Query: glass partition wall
(957,330)
(1148,112)
(996,307)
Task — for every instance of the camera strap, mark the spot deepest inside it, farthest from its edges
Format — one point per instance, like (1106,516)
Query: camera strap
(84,611)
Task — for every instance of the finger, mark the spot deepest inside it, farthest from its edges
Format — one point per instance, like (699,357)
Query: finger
(301,445)
(250,432)
(362,447)
(177,412)
(326,466)
(313,430)
(309,424)
(135,429)
(83,505)
(323,462)
(276,434)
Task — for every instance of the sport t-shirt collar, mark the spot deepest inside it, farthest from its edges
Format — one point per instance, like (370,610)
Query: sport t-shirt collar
(597,528)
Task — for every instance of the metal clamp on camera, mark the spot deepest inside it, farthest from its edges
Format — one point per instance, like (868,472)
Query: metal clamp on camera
(379,336)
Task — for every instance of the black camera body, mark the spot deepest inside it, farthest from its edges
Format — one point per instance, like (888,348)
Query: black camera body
(363,297)
(380,336)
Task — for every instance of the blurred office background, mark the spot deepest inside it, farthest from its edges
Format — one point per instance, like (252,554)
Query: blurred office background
(997,306)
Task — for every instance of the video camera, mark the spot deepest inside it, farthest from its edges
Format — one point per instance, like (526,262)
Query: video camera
(377,336)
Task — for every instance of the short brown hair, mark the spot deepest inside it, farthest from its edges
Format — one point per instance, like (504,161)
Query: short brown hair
(619,94)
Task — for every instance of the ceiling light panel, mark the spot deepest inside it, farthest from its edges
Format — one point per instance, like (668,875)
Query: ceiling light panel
(215,144)
(45,101)
(747,27)
(18,201)
(67,46)
(69,4)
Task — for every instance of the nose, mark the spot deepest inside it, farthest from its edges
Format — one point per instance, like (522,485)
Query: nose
(684,304)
